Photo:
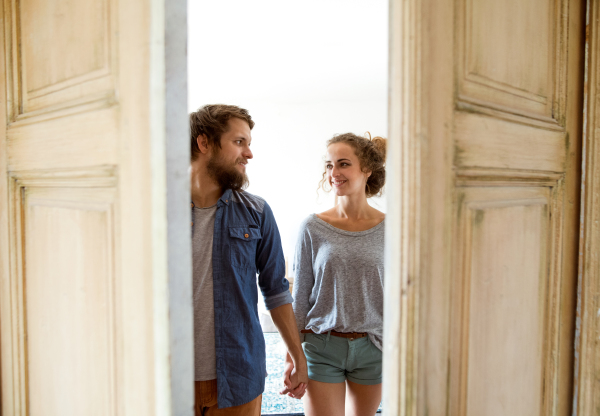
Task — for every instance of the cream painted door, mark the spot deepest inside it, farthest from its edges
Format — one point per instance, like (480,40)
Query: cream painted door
(94,112)
(486,121)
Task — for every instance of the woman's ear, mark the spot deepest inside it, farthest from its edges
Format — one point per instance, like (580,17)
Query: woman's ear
(202,141)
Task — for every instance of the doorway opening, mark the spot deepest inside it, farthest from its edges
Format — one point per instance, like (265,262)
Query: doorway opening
(305,72)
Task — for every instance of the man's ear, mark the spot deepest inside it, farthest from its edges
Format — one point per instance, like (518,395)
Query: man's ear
(202,141)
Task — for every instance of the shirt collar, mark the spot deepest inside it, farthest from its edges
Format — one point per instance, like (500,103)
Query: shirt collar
(226,197)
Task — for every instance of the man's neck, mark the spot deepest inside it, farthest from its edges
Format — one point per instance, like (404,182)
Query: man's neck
(205,190)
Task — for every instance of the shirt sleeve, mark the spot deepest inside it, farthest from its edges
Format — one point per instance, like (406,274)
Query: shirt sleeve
(304,279)
(270,263)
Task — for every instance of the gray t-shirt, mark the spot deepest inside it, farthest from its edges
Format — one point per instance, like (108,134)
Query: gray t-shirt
(338,279)
(205,361)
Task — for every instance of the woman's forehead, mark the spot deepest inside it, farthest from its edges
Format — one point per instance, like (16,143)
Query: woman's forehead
(340,150)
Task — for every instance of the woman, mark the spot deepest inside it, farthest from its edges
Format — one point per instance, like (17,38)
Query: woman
(338,286)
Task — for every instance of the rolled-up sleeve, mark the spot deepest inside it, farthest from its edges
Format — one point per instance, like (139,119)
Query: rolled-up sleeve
(270,263)
(304,279)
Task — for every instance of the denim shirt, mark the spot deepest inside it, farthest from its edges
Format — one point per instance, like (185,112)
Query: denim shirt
(246,242)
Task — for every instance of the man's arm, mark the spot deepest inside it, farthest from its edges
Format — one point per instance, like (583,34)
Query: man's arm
(296,380)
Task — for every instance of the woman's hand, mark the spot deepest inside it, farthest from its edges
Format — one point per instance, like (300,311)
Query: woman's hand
(293,376)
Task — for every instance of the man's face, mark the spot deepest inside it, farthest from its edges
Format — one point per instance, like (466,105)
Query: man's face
(227,165)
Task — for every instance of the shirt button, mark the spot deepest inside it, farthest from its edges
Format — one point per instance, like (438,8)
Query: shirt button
(192,224)
(192,205)
(246,235)
(227,200)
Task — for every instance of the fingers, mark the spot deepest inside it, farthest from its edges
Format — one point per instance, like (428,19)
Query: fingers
(298,391)
(287,385)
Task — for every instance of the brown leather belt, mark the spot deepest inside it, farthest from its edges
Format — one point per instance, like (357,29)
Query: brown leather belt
(351,335)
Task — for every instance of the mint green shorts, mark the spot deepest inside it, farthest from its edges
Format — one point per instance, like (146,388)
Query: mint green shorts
(334,359)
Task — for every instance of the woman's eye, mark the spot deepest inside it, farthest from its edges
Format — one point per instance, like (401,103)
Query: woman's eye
(328,166)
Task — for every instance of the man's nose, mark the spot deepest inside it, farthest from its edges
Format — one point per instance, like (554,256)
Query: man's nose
(248,153)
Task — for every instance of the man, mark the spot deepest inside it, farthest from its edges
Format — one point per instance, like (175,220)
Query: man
(234,237)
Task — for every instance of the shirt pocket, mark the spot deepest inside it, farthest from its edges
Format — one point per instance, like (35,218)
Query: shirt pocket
(242,249)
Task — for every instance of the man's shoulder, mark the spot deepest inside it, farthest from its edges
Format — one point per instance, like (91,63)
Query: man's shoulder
(249,200)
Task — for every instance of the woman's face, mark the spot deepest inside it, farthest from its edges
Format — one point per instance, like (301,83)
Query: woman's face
(343,170)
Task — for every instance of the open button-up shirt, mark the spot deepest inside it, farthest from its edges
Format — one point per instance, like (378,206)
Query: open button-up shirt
(246,242)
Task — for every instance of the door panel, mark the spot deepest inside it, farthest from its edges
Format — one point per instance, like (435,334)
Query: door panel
(485,121)
(86,320)
(70,298)
(47,27)
(507,54)
(501,297)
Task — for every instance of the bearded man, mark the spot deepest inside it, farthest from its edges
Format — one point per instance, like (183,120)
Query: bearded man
(234,238)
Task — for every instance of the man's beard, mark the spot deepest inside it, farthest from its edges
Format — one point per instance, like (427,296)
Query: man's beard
(226,175)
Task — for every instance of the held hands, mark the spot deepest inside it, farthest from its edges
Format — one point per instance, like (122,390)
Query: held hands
(295,378)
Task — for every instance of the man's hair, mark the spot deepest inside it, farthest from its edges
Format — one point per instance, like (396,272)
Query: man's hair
(212,120)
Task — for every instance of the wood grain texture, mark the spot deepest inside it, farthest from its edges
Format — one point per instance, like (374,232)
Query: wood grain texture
(50,144)
(512,55)
(511,139)
(7,407)
(69,300)
(504,340)
(77,129)
(487,142)
(588,342)
(60,54)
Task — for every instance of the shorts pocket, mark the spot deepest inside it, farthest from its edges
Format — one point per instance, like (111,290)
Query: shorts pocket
(242,246)
(314,342)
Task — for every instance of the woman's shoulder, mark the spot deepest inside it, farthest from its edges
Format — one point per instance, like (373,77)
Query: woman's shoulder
(308,223)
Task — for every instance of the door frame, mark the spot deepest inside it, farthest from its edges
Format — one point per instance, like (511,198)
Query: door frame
(587,344)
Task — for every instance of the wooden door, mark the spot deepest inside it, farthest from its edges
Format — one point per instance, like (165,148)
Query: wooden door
(485,122)
(87,257)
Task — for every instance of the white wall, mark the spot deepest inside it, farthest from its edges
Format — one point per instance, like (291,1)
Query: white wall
(305,70)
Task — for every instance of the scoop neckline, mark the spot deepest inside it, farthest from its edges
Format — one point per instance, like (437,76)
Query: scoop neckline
(346,232)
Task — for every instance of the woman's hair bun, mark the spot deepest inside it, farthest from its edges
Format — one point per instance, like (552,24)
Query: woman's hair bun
(380,144)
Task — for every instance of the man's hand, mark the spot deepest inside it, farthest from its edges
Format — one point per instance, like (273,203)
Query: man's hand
(295,379)
(295,376)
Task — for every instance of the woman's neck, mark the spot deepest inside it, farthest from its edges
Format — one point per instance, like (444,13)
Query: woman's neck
(354,207)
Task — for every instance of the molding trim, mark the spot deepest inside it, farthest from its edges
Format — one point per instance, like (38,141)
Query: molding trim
(587,344)
(402,235)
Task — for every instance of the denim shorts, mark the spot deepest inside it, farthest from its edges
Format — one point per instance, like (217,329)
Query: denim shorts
(334,359)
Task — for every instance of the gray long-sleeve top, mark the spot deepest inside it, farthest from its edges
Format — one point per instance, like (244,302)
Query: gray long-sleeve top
(338,279)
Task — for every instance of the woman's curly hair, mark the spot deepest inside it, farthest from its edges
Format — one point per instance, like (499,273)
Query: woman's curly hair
(371,155)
